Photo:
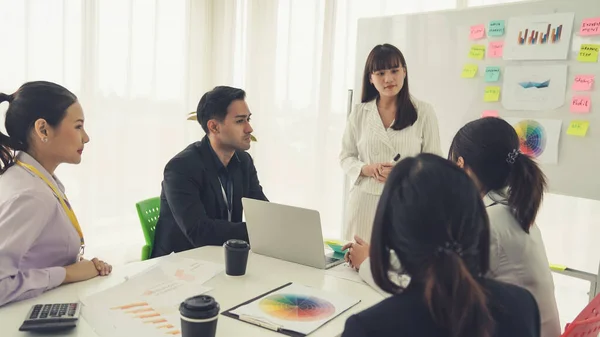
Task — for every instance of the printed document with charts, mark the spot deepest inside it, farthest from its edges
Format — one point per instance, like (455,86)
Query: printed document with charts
(147,303)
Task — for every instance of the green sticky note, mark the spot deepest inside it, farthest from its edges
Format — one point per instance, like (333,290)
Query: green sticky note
(492,74)
(578,128)
(477,52)
(496,28)
(492,94)
(469,71)
(588,53)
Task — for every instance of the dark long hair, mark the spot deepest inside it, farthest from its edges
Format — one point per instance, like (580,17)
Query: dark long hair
(431,215)
(489,148)
(32,101)
(386,56)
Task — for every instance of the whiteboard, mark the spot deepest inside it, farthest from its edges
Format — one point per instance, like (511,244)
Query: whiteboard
(436,47)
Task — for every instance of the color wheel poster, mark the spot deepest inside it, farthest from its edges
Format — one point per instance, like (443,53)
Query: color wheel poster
(534,88)
(297,308)
(539,37)
(538,138)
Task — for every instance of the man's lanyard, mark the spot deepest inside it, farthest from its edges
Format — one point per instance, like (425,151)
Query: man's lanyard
(63,202)
(228,201)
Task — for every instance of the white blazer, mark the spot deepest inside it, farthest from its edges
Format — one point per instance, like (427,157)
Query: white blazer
(519,258)
(366,141)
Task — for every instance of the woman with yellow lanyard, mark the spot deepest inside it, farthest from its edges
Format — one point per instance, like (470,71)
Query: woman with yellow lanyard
(41,242)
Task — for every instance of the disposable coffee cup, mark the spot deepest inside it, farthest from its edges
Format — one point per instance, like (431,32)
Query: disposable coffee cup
(236,257)
(199,316)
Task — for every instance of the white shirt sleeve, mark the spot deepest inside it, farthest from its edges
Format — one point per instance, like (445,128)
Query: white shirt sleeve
(349,161)
(394,274)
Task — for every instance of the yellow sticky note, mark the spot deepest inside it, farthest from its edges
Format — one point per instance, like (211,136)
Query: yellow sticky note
(492,94)
(559,267)
(578,128)
(588,53)
(469,71)
(477,52)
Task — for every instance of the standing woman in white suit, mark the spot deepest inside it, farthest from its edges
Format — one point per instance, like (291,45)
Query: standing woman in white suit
(387,126)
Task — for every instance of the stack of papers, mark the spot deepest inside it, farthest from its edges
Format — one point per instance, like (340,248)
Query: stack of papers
(147,303)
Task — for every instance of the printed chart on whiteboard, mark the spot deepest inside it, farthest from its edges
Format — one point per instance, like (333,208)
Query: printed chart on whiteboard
(538,138)
(534,88)
(539,37)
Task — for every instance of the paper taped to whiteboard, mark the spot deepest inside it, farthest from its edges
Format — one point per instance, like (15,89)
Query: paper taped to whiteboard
(534,88)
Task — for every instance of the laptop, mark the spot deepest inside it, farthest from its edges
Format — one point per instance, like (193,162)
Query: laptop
(288,233)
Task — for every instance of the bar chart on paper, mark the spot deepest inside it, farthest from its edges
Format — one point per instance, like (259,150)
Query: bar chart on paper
(532,36)
(147,304)
(145,314)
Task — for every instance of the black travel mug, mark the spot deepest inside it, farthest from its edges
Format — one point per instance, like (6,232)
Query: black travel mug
(236,257)
(199,316)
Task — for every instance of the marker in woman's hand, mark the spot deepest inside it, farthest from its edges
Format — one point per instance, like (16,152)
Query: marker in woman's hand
(397,157)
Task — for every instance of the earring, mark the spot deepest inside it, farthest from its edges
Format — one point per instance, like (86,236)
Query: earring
(45,139)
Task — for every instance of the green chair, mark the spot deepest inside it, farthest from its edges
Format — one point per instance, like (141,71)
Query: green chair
(147,211)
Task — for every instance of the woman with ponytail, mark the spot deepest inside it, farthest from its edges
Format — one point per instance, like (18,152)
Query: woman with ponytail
(512,186)
(432,220)
(41,242)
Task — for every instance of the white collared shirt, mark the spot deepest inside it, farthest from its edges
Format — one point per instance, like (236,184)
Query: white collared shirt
(519,258)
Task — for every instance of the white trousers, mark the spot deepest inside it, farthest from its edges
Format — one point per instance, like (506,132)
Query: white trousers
(360,213)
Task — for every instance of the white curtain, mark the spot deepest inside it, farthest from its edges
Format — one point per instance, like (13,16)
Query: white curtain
(138,66)
(128,63)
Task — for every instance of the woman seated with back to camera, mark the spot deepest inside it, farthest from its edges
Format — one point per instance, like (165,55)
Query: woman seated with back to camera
(431,218)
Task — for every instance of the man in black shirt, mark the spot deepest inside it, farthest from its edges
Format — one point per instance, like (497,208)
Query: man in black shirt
(203,186)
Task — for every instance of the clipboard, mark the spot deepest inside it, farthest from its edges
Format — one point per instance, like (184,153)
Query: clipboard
(283,331)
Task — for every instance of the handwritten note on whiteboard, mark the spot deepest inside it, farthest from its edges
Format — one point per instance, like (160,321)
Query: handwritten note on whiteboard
(578,128)
(492,94)
(495,49)
(496,28)
(477,52)
(477,32)
(469,71)
(581,104)
(492,74)
(588,53)
(590,26)
(583,82)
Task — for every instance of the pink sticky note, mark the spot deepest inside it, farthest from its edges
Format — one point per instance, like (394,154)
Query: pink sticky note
(590,26)
(490,113)
(477,32)
(583,82)
(581,104)
(495,48)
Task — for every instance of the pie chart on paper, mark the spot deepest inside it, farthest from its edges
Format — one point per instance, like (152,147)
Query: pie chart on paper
(297,308)
(532,137)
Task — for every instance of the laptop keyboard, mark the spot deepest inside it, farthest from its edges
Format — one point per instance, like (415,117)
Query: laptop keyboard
(329,259)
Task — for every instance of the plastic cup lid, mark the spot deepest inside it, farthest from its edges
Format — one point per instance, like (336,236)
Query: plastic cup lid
(199,307)
(234,243)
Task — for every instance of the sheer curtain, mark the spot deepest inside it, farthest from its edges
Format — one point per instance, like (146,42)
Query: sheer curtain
(127,61)
(297,64)
(139,66)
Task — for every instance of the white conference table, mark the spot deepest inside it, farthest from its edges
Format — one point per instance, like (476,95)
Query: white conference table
(262,274)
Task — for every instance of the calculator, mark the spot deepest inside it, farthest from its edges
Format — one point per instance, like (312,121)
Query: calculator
(51,317)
